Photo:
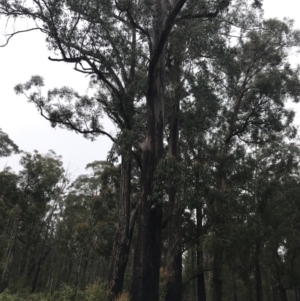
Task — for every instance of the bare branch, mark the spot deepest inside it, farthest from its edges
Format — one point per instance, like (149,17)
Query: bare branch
(10,35)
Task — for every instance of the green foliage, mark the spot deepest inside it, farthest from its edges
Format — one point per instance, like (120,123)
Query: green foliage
(65,293)
(90,208)
(7,296)
(96,292)
(7,146)
(93,292)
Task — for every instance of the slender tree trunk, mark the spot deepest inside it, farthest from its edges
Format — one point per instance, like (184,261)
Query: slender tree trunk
(296,294)
(174,258)
(174,231)
(51,285)
(42,258)
(122,239)
(193,263)
(200,265)
(282,294)
(278,291)
(259,296)
(33,287)
(235,298)
(281,291)
(220,220)
(217,281)
(275,294)
(217,275)
(277,276)
(10,247)
(69,275)
(82,282)
(23,262)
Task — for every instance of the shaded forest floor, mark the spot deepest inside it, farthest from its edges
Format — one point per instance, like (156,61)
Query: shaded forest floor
(93,292)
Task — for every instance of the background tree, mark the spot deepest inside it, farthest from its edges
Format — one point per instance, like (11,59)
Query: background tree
(7,146)
(37,190)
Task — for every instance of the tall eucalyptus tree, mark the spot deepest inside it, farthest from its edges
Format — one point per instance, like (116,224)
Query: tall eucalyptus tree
(123,46)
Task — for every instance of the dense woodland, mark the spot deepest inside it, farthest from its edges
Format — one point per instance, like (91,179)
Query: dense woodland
(199,198)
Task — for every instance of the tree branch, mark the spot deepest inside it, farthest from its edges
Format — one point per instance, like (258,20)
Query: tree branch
(197,16)
(10,35)
(76,129)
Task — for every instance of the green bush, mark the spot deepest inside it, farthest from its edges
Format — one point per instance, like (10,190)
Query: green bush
(96,292)
(65,293)
(7,296)
(93,292)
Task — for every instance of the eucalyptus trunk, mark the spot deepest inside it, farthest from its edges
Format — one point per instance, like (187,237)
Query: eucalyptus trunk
(200,258)
(145,281)
(122,240)
(281,291)
(217,282)
(217,275)
(174,230)
(278,272)
(147,256)
(174,257)
(258,279)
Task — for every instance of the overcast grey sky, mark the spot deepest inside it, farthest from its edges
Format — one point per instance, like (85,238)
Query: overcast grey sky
(26,55)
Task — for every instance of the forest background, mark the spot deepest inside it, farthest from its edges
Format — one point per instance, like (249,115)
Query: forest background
(225,197)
